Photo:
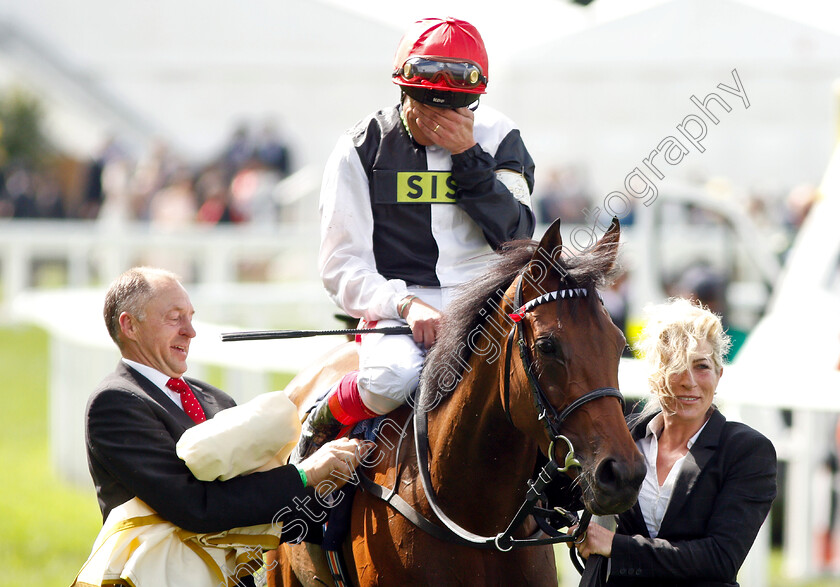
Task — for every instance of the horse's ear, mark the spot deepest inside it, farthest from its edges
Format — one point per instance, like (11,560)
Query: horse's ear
(551,240)
(607,247)
(545,261)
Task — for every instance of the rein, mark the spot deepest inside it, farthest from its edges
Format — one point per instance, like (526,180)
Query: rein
(504,541)
(454,533)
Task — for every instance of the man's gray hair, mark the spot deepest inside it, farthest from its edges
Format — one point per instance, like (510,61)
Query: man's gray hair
(130,293)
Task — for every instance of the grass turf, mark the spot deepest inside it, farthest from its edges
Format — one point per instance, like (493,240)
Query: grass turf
(48,526)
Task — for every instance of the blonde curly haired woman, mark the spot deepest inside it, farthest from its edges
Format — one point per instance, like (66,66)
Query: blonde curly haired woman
(710,482)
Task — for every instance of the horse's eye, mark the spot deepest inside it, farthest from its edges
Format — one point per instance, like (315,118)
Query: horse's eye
(546,346)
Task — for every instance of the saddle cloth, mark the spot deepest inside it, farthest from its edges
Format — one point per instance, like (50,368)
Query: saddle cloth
(338,524)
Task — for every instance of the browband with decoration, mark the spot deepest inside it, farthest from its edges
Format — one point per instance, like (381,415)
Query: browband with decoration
(549,297)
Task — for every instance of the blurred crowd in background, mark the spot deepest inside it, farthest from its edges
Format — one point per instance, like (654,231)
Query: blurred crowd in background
(238,184)
(565,191)
(160,186)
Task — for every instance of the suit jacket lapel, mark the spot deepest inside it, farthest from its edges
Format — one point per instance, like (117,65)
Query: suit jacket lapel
(638,429)
(695,460)
(157,394)
(640,527)
(206,400)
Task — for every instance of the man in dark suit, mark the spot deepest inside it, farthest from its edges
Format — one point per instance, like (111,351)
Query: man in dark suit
(136,416)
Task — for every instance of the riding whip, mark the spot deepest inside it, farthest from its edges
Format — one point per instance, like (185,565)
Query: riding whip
(279,334)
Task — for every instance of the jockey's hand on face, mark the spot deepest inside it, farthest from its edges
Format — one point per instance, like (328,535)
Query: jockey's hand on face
(449,128)
(341,455)
(424,321)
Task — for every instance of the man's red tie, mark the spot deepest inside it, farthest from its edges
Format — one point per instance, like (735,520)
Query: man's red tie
(191,406)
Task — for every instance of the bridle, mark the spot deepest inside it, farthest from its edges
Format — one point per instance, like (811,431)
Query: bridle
(504,541)
(545,410)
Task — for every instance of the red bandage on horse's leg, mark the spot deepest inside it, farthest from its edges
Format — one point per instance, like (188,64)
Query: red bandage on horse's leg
(345,403)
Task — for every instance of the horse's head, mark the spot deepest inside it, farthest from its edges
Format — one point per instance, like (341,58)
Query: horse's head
(564,375)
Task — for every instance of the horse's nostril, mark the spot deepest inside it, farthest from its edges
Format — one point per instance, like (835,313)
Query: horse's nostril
(607,473)
(616,475)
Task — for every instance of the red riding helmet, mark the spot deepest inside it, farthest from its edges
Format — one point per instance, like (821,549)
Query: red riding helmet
(441,62)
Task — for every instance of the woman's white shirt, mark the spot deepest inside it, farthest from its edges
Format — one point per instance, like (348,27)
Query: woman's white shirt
(653,498)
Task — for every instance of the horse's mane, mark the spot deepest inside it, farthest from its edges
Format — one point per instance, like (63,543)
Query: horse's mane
(464,315)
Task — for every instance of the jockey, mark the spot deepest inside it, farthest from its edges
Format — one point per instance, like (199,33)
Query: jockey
(412,198)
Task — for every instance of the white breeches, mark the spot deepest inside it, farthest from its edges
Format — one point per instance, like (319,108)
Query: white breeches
(389,365)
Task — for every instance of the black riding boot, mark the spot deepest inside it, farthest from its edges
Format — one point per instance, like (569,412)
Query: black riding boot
(319,428)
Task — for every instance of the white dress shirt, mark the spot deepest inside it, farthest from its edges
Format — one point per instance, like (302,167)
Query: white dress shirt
(653,498)
(157,378)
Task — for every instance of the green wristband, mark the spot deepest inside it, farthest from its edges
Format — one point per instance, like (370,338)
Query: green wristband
(406,302)
(302,476)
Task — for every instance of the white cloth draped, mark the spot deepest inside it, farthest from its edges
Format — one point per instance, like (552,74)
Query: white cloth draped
(137,547)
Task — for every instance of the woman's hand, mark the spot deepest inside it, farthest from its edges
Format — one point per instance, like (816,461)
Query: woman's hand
(596,540)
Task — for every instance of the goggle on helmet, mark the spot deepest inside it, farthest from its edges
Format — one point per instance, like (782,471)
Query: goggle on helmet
(455,74)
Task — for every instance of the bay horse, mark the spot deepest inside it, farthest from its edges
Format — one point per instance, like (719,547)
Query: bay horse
(488,411)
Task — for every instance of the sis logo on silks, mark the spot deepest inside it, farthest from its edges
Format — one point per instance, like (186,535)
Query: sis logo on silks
(414,187)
